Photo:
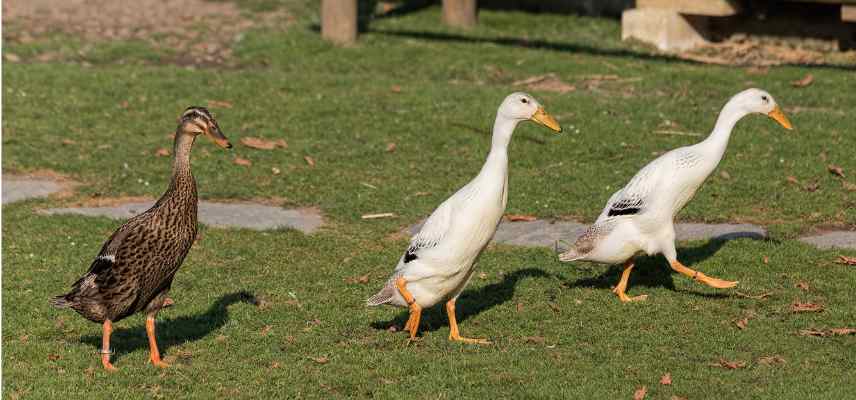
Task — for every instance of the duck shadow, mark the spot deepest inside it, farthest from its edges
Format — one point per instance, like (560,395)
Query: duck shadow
(470,303)
(654,271)
(173,331)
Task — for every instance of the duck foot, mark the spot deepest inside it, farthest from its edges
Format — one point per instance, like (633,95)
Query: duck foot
(454,334)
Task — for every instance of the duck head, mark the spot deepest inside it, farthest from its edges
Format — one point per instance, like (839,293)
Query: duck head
(198,121)
(521,106)
(761,102)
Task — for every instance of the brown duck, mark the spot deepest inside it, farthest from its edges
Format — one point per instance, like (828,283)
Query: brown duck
(134,270)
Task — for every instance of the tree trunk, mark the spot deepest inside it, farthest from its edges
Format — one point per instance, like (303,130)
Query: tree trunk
(460,13)
(339,21)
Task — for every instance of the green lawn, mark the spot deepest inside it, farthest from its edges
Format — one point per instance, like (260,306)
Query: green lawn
(281,314)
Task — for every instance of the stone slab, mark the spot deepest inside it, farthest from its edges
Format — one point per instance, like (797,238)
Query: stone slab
(18,189)
(718,8)
(668,30)
(221,215)
(829,240)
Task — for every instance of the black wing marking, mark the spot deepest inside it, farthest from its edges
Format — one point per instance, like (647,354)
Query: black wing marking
(410,254)
(625,207)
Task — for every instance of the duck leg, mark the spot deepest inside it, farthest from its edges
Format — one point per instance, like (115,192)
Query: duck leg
(105,346)
(698,276)
(454,334)
(154,354)
(622,284)
(412,325)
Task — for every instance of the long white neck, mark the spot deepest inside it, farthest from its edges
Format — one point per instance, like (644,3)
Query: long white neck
(717,141)
(497,159)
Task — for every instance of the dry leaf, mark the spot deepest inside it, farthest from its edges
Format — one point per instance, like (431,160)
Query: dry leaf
(835,170)
(390,147)
(54,357)
(741,323)
(770,360)
(395,89)
(666,379)
(124,104)
(805,81)
(792,179)
(219,104)
(482,275)
(640,393)
(806,307)
(242,161)
(846,260)
(725,175)
(376,216)
(547,83)
(68,141)
(520,217)
(848,186)
(309,160)
(263,144)
(802,285)
(12,57)
(519,307)
(274,365)
(677,398)
(731,364)
(392,328)
(766,260)
(265,330)
(320,360)
(275,170)
(162,152)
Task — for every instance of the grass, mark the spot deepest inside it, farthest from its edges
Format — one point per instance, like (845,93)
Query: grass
(279,314)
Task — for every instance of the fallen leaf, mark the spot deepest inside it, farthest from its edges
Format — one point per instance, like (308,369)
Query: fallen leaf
(162,152)
(534,339)
(725,175)
(275,170)
(357,279)
(805,81)
(806,307)
(392,328)
(395,89)
(770,360)
(68,141)
(376,216)
(766,260)
(390,147)
(242,161)
(802,285)
(547,83)
(846,260)
(54,357)
(741,323)
(666,379)
(835,170)
(678,398)
(813,332)
(274,365)
(731,364)
(263,144)
(309,160)
(793,180)
(519,307)
(320,360)
(520,217)
(124,104)
(219,104)
(265,330)
(640,393)
(811,187)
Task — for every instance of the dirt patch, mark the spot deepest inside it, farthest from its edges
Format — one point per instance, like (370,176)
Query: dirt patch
(760,51)
(198,31)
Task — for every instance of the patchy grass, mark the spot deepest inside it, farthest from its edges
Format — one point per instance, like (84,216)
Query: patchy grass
(279,314)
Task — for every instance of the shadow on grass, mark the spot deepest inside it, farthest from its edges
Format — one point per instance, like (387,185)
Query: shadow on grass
(654,271)
(171,332)
(472,302)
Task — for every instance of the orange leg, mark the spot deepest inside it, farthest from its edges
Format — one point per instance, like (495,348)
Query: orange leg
(454,334)
(154,354)
(698,276)
(622,284)
(412,325)
(105,346)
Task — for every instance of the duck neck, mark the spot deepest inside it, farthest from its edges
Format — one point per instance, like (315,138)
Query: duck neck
(502,129)
(717,141)
(182,178)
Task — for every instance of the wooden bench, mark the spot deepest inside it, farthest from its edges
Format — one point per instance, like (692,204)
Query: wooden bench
(676,25)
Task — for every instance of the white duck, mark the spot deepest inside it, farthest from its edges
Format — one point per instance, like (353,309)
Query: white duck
(439,262)
(640,216)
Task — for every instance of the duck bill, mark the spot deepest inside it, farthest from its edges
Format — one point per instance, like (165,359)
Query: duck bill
(545,119)
(218,137)
(780,117)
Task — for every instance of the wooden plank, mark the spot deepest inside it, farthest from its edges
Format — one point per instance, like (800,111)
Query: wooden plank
(848,13)
(339,21)
(716,8)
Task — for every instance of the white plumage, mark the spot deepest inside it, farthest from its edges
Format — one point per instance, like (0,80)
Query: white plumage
(439,262)
(640,216)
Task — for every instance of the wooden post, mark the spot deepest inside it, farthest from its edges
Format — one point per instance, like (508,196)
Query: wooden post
(339,21)
(460,13)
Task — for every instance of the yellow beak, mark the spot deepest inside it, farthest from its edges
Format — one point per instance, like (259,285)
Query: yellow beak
(545,119)
(780,117)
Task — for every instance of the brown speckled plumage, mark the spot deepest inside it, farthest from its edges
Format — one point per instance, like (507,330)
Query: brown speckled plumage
(134,270)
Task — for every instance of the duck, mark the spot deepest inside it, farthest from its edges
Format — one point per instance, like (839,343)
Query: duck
(134,269)
(439,262)
(640,217)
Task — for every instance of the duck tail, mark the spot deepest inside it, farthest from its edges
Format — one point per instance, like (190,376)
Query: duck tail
(571,255)
(61,301)
(383,297)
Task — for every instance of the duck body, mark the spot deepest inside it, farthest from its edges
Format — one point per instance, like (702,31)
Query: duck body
(640,216)
(135,268)
(440,260)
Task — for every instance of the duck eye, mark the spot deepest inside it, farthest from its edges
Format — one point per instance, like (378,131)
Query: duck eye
(524,101)
(765,98)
